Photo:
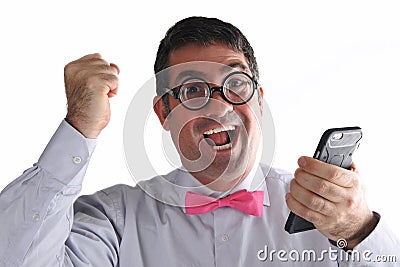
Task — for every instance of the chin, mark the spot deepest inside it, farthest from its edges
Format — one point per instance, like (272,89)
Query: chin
(229,170)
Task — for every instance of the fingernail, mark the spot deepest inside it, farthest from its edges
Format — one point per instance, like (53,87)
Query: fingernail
(302,162)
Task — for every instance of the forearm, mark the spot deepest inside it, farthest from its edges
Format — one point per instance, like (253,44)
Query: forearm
(36,208)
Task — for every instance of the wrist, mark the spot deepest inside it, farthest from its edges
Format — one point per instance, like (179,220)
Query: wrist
(84,130)
(366,229)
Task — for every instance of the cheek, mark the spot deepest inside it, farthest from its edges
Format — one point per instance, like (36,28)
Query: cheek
(256,131)
(182,133)
(252,134)
(183,124)
(186,143)
(251,117)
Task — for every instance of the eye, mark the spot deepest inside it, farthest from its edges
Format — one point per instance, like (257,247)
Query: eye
(235,83)
(194,89)
(238,88)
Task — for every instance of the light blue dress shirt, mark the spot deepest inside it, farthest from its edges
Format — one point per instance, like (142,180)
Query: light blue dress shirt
(43,225)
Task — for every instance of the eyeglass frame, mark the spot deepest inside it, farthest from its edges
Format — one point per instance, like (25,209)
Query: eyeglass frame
(176,94)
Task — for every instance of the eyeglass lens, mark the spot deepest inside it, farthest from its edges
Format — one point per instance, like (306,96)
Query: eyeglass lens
(237,89)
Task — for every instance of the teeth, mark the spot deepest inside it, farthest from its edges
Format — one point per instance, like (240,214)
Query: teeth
(226,146)
(221,129)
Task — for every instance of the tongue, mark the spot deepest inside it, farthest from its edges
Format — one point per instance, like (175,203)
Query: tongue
(220,138)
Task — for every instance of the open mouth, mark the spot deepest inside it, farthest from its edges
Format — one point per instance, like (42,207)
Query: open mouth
(221,138)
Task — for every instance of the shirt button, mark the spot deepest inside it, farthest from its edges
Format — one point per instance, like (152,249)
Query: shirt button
(225,237)
(77,160)
(36,217)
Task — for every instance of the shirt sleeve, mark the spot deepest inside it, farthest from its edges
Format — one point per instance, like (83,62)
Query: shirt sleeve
(380,248)
(36,208)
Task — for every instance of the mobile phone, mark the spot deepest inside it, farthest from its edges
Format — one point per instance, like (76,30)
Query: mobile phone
(336,146)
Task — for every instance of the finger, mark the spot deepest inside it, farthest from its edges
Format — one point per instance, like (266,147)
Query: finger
(111,80)
(319,186)
(329,172)
(353,167)
(113,92)
(102,67)
(92,59)
(311,200)
(107,82)
(90,56)
(115,66)
(82,66)
(310,215)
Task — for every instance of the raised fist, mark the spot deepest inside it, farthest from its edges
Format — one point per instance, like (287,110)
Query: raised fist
(89,83)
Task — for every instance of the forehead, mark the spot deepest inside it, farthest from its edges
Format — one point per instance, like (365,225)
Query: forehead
(207,61)
(218,53)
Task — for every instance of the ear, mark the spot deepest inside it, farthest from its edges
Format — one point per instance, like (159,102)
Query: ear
(260,98)
(160,110)
(261,90)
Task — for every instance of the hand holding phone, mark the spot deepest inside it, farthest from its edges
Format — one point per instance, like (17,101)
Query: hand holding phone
(336,147)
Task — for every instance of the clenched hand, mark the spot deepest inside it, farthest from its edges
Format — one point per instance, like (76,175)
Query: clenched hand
(89,83)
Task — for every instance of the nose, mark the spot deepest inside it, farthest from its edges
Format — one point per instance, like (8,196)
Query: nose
(217,106)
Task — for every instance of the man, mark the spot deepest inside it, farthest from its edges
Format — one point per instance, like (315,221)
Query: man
(206,213)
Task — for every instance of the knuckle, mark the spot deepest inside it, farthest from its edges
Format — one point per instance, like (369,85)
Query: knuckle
(337,174)
(292,184)
(314,218)
(318,221)
(68,69)
(323,188)
(351,202)
(107,76)
(290,203)
(356,183)
(342,176)
(330,209)
(300,176)
(317,204)
(297,172)
(310,216)
(111,79)
(97,55)
(103,67)
(348,175)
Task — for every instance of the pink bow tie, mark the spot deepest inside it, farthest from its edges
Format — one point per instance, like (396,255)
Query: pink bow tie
(243,200)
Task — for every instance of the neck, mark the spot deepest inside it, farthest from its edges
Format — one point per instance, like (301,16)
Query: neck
(224,183)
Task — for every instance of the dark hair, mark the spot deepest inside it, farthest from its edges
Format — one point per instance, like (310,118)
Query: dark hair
(201,31)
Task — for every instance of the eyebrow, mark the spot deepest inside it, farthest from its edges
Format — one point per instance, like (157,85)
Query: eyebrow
(234,65)
(200,74)
(189,73)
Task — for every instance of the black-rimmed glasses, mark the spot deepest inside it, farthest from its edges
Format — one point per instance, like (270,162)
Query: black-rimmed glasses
(195,93)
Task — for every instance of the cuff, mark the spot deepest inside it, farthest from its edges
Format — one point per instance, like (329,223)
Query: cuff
(67,153)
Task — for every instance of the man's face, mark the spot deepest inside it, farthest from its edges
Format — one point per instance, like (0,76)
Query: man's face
(218,143)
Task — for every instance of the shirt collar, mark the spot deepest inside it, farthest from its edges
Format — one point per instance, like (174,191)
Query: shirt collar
(171,188)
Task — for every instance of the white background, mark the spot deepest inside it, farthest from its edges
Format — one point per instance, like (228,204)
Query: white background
(323,64)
